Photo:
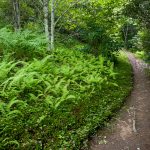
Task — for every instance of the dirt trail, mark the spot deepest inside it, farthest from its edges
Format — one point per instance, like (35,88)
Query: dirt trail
(131,131)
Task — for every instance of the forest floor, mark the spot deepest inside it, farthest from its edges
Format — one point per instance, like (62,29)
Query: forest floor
(130,130)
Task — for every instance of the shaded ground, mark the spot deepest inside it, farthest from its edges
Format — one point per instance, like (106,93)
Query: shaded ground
(131,130)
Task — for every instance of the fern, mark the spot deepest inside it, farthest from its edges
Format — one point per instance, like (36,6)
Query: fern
(23,44)
(38,97)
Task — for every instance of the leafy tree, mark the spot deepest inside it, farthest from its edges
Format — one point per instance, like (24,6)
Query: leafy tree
(128,32)
(140,10)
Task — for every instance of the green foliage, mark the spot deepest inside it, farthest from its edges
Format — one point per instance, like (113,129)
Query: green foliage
(22,44)
(140,11)
(142,44)
(128,33)
(145,36)
(140,54)
(55,102)
(93,22)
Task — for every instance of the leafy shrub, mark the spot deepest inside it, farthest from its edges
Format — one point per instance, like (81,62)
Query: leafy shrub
(21,45)
(140,54)
(145,36)
(142,44)
(98,42)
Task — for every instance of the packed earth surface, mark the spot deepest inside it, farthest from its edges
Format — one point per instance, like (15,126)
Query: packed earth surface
(131,130)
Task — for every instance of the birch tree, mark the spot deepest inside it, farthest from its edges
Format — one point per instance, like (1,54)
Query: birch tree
(52,23)
(46,22)
(50,36)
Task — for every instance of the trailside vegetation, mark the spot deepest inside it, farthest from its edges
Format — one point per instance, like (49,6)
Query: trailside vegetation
(55,102)
(63,74)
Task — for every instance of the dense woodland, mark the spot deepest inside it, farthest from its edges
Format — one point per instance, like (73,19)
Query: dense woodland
(62,72)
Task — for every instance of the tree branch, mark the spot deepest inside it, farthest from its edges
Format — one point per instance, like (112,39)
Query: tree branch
(71,5)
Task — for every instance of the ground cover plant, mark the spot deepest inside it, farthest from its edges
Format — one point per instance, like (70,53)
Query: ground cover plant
(54,103)
(55,100)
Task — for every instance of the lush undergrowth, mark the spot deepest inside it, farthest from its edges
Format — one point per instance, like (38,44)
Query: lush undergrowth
(144,56)
(140,54)
(55,102)
(22,45)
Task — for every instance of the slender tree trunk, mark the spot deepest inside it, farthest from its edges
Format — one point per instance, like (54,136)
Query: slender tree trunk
(46,25)
(126,30)
(16,14)
(52,24)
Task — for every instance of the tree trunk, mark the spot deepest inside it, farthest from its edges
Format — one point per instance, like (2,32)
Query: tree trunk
(16,14)
(126,30)
(52,24)
(46,25)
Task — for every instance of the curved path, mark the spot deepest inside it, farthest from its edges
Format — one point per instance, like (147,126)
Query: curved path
(131,131)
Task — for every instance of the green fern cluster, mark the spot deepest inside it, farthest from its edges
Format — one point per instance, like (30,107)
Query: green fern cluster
(21,45)
(44,101)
